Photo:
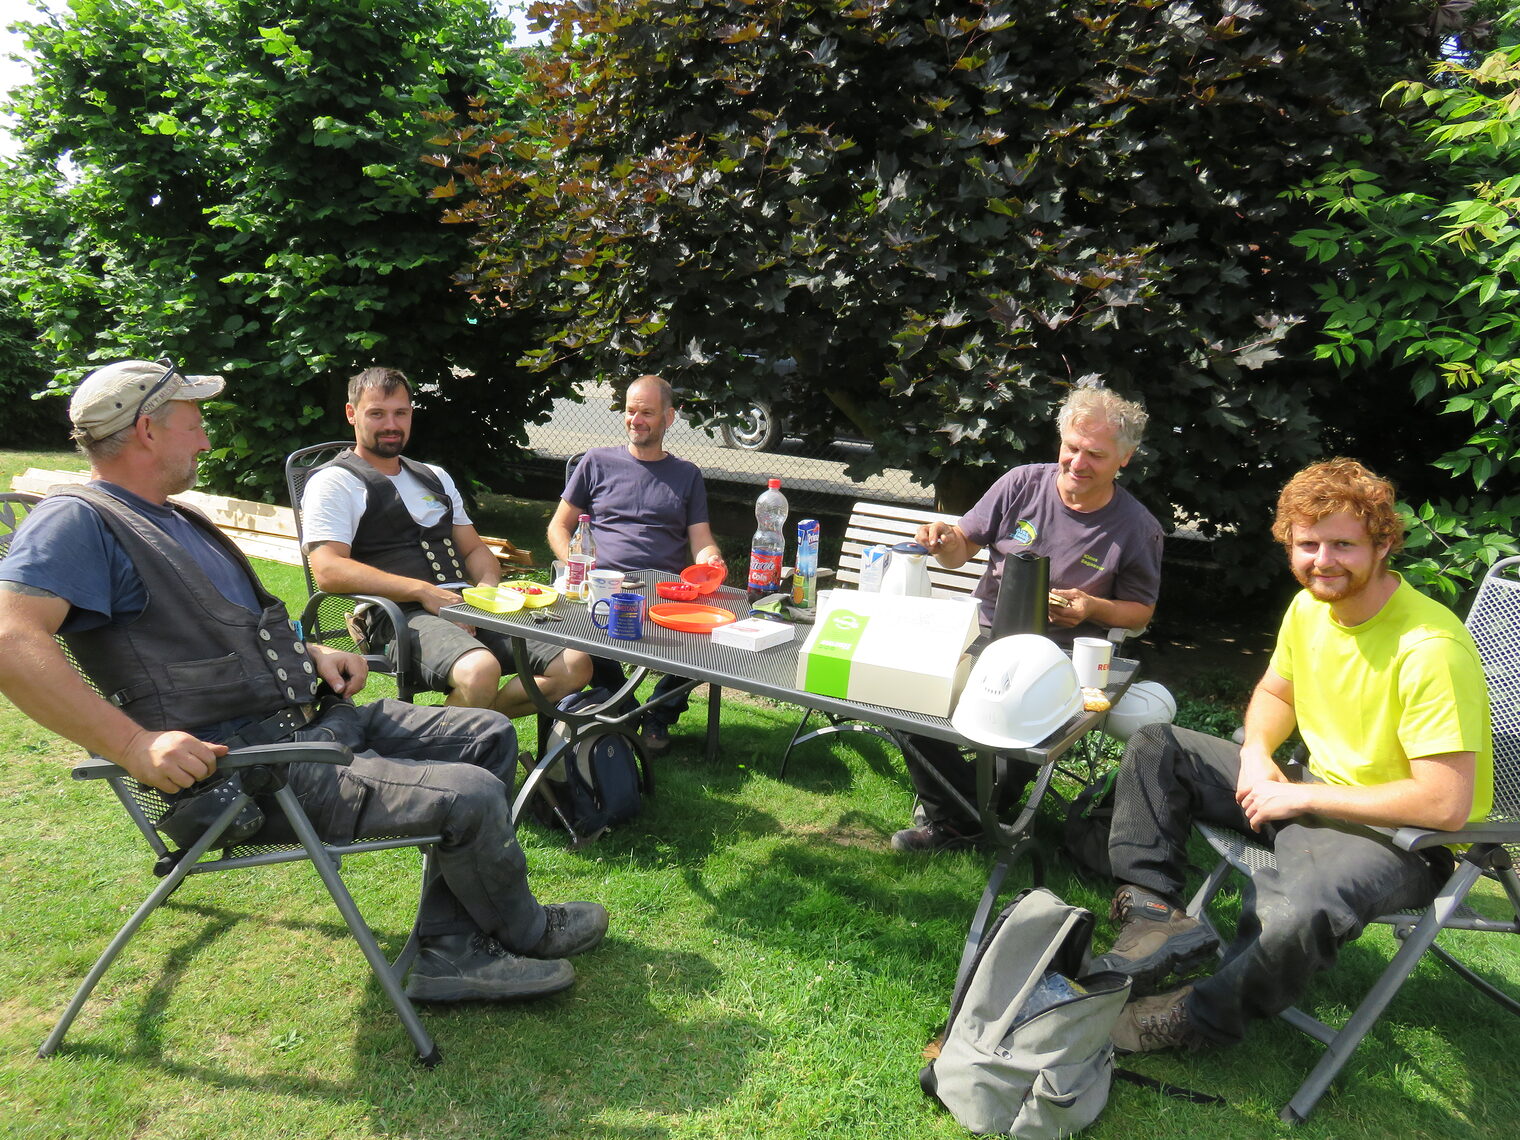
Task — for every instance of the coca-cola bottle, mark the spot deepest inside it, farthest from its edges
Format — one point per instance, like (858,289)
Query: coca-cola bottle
(769,545)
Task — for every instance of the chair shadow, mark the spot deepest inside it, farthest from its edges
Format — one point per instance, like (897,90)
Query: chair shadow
(496,1058)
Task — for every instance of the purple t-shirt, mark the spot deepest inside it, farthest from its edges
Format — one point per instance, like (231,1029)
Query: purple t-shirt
(1113,552)
(640,512)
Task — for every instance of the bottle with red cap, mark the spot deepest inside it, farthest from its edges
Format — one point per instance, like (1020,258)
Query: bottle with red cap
(768,549)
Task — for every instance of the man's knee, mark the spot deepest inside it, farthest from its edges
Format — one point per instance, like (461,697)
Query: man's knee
(577,668)
(476,675)
(1148,751)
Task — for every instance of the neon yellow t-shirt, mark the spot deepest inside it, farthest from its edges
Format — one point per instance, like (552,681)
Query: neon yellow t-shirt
(1407,682)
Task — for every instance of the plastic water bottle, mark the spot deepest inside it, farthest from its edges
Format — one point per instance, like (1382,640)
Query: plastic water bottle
(1053,989)
(769,545)
(582,559)
(805,577)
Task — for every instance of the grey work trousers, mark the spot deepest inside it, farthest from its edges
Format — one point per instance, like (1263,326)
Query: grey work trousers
(421,770)
(940,807)
(1331,878)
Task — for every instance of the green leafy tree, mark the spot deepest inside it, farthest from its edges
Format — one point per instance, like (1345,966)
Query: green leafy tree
(1424,284)
(239,184)
(947,213)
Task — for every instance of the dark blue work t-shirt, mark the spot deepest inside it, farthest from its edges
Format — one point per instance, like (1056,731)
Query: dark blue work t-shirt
(66,548)
(640,512)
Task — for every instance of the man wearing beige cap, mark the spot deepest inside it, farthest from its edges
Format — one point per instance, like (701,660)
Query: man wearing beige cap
(167,618)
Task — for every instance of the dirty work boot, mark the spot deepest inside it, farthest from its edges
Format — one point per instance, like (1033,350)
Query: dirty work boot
(475,967)
(1159,1022)
(932,836)
(1155,939)
(655,738)
(571,929)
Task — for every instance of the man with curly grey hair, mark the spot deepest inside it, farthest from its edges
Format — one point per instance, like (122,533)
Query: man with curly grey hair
(1105,569)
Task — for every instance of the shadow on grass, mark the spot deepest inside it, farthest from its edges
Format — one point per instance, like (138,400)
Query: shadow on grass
(610,1045)
(1468,1092)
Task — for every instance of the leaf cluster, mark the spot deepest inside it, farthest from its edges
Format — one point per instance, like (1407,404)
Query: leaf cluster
(1424,282)
(947,214)
(237,185)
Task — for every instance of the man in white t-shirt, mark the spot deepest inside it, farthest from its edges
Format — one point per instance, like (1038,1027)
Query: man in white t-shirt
(375,522)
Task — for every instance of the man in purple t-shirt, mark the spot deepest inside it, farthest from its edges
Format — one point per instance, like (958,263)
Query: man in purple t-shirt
(648,511)
(1105,569)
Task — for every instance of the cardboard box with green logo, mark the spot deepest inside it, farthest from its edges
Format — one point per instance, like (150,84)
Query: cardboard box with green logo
(886,649)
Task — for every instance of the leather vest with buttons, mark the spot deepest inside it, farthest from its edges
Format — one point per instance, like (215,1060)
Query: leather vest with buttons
(191,657)
(389,539)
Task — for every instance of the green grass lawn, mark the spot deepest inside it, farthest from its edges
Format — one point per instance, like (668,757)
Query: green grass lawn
(772,970)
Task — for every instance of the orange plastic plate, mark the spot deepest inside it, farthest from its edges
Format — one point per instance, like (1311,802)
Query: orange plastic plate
(689,617)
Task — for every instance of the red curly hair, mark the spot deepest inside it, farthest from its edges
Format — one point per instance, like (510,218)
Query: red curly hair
(1335,485)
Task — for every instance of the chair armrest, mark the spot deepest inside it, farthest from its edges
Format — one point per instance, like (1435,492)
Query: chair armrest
(391,610)
(292,752)
(378,662)
(1490,831)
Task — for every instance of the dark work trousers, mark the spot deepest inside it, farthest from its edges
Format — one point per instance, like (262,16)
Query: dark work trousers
(609,674)
(939,806)
(421,770)
(1331,879)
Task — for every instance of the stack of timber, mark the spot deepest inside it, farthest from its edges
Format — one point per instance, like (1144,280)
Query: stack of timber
(258,529)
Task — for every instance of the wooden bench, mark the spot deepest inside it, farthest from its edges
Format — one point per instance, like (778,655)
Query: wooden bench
(259,530)
(887,524)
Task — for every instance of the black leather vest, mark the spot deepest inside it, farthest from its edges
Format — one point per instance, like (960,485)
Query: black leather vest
(389,539)
(191,657)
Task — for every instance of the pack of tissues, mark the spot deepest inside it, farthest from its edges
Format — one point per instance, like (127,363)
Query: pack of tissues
(753,633)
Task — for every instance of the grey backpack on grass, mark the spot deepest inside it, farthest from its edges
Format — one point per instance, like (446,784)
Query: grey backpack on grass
(1035,1072)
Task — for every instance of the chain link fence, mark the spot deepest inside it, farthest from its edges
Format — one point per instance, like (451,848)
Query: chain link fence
(813,479)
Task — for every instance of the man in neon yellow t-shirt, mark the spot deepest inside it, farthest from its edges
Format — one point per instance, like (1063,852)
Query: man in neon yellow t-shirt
(1387,691)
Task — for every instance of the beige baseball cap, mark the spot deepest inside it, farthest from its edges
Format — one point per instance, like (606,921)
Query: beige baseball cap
(111,398)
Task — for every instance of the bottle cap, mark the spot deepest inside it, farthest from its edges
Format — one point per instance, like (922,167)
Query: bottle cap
(774,484)
(585,518)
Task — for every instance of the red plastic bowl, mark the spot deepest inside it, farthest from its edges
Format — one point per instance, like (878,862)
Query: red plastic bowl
(677,591)
(705,578)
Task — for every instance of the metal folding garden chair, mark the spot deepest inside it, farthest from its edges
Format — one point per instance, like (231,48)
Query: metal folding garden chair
(360,623)
(1494,622)
(261,771)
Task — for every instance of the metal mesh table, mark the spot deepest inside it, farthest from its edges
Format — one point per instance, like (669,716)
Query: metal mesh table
(772,673)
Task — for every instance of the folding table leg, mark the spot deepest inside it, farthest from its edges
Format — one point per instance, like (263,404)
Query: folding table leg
(714,720)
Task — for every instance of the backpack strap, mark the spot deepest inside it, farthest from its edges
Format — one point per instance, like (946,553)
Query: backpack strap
(1176,1091)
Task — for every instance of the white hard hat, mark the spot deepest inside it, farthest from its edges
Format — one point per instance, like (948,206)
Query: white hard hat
(1021,690)
(1145,703)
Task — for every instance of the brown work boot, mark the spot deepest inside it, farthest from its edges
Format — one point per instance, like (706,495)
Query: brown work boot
(1155,939)
(1154,1023)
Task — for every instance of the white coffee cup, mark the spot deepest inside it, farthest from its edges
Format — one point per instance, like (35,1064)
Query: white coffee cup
(1091,656)
(602,584)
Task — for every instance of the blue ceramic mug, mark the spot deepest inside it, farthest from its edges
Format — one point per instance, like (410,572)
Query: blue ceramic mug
(625,616)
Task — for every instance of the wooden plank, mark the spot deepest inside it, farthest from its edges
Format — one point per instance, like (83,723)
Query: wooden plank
(260,518)
(886,524)
(259,529)
(270,547)
(240,514)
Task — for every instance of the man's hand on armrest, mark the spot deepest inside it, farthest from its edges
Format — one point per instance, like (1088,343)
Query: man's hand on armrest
(169,761)
(334,571)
